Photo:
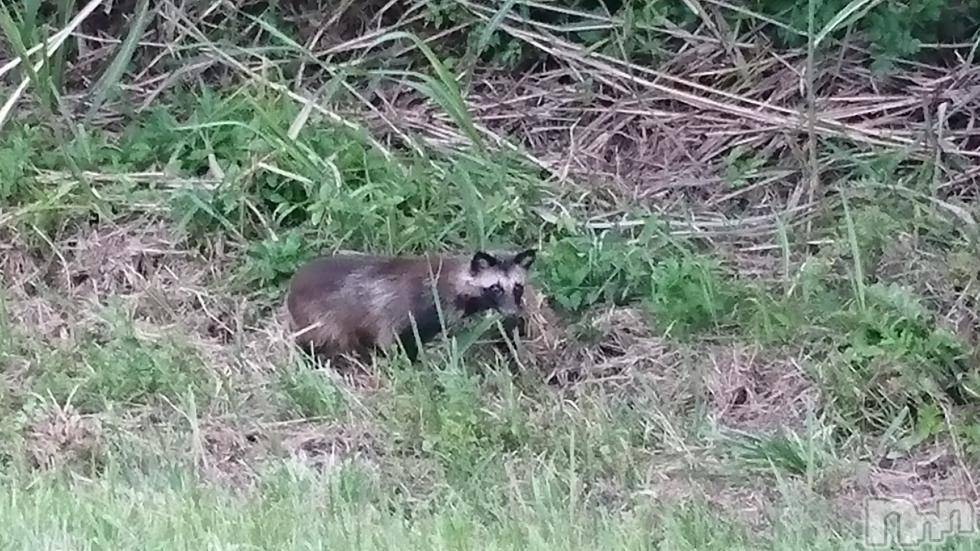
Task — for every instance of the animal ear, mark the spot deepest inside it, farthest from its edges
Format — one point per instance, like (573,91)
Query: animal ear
(481,261)
(524,259)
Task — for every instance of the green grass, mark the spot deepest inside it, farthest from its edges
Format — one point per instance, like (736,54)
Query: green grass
(720,398)
(462,453)
(293,508)
(311,394)
(123,369)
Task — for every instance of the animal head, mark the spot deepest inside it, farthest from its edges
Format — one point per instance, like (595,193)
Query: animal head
(499,280)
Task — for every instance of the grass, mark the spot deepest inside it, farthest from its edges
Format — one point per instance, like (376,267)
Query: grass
(463,453)
(713,385)
(298,509)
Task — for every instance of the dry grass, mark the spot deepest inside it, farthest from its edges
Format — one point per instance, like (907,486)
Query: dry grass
(752,392)
(653,133)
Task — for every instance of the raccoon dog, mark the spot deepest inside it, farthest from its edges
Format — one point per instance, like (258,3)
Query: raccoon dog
(350,303)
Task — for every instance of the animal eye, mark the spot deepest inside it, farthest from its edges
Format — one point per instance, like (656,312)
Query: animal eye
(518,291)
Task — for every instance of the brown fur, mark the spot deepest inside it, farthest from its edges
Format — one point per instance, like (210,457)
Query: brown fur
(349,303)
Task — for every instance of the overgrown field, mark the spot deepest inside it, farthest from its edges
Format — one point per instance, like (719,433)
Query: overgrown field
(758,277)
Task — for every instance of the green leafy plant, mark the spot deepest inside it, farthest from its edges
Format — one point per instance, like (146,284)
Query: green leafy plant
(894,357)
(274,260)
(690,293)
(581,270)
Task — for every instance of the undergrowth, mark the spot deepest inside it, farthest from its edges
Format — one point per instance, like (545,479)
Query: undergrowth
(325,190)
(892,30)
(732,377)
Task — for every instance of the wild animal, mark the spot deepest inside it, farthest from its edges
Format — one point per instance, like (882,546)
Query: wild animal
(353,303)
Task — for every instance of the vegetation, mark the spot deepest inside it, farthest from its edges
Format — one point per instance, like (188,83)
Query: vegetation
(758,254)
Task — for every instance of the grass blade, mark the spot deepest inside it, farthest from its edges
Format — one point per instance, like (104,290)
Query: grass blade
(856,254)
(444,90)
(16,41)
(842,16)
(58,60)
(109,81)
(485,35)
(58,38)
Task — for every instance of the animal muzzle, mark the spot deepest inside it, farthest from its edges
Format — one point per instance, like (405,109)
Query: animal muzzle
(509,311)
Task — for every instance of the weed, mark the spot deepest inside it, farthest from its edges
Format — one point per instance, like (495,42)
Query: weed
(598,437)
(579,271)
(685,292)
(893,357)
(311,394)
(741,166)
(785,453)
(123,368)
(894,30)
(15,158)
(688,528)
(690,294)
(445,416)
(273,261)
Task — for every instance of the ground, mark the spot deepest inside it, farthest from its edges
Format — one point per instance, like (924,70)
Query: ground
(746,321)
